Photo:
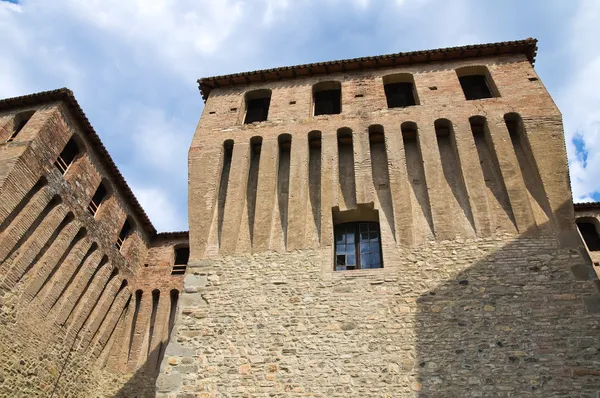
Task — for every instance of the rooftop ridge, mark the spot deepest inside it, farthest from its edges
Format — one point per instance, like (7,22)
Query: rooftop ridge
(528,47)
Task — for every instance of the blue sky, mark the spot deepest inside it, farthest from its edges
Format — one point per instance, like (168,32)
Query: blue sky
(133,64)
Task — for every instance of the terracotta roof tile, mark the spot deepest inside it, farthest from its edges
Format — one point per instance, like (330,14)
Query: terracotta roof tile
(528,47)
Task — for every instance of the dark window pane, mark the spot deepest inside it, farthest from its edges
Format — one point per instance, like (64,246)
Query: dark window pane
(328,102)
(340,259)
(475,87)
(399,95)
(349,237)
(257,110)
(350,259)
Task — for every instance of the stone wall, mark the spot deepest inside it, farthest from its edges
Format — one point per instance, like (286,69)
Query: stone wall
(499,316)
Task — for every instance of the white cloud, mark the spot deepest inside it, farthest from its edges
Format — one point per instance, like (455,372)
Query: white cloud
(579,100)
(161,210)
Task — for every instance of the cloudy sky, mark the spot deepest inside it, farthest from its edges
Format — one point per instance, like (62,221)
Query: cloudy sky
(133,64)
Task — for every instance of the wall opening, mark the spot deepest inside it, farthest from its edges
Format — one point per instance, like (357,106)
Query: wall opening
(400,90)
(223,185)
(588,227)
(476,82)
(182,255)
(357,238)
(283,181)
(252,185)
(327,98)
(19,122)
(346,173)
(490,167)
(125,232)
(380,173)
(314,180)
(257,105)
(67,156)
(98,198)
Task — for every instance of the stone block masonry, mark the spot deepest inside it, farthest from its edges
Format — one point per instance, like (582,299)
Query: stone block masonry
(497,317)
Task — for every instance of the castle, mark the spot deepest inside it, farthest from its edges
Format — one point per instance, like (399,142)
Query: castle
(390,226)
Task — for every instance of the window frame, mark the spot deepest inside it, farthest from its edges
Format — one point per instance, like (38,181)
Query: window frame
(355,226)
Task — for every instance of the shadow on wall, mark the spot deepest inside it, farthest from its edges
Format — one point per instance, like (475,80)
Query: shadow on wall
(142,383)
(522,321)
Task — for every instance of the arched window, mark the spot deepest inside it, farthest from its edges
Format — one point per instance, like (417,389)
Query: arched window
(125,232)
(19,122)
(589,231)
(97,199)
(400,90)
(67,156)
(476,82)
(257,106)
(327,98)
(357,246)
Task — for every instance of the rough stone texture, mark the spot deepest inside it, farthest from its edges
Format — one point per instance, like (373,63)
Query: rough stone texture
(494,317)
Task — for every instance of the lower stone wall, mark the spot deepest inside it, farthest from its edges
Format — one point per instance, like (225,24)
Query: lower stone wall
(498,317)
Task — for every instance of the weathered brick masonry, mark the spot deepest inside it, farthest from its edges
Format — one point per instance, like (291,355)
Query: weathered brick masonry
(481,284)
(80,316)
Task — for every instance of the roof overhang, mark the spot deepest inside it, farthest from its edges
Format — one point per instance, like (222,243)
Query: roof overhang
(527,47)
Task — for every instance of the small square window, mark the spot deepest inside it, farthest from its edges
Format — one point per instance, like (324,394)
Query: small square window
(475,87)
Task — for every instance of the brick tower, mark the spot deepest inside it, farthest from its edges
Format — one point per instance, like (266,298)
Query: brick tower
(382,227)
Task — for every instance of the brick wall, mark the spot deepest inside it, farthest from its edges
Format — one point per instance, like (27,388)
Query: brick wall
(66,290)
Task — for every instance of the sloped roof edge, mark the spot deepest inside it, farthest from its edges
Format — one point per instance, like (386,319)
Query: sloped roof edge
(68,98)
(586,205)
(527,47)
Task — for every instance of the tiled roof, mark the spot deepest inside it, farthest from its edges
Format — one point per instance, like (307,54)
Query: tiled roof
(527,47)
(173,235)
(66,96)
(586,205)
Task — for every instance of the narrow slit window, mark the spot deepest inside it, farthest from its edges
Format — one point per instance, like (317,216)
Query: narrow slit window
(590,235)
(357,246)
(97,199)
(67,156)
(399,95)
(19,122)
(475,87)
(125,232)
(257,106)
(327,98)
